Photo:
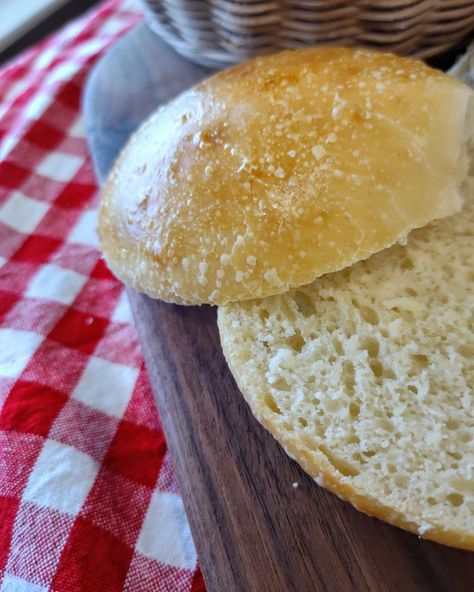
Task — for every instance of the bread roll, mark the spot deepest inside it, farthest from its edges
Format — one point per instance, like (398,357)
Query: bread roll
(282,169)
(366,378)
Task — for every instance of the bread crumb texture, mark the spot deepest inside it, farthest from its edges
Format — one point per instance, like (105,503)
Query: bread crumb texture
(279,170)
(366,377)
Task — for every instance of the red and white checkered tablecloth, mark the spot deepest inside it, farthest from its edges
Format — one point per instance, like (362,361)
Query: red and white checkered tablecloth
(88,497)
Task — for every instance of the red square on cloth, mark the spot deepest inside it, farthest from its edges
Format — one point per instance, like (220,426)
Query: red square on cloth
(75,195)
(102,272)
(12,175)
(93,560)
(31,408)
(79,330)
(44,135)
(70,96)
(7,302)
(36,249)
(136,452)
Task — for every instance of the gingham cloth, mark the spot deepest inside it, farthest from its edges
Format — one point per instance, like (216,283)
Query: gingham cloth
(88,498)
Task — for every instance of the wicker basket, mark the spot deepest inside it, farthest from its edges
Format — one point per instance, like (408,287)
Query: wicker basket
(223,32)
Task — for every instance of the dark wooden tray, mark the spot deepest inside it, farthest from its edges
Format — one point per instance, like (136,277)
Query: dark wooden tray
(254,531)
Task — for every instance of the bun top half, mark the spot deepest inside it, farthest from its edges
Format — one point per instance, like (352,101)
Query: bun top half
(277,171)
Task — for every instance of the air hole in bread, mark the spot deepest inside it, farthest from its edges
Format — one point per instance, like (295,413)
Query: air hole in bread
(304,304)
(296,341)
(263,314)
(353,439)
(271,404)
(420,360)
(406,263)
(303,422)
(376,367)
(372,346)
(456,455)
(401,480)
(406,315)
(369,315)
(281,385)
(348,376)
(338,346)
(354,410)
(339,464)
(455,499)
(453,424)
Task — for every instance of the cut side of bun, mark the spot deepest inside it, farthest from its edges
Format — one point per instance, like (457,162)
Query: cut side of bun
(366,378)
(275,172)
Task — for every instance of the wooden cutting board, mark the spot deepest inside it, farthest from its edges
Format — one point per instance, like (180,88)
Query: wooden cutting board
(259,523)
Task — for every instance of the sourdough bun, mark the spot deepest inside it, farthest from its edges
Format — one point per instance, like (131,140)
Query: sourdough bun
(279,170)
(366,378)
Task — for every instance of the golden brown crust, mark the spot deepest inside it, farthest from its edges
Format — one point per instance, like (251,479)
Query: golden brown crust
(317,465)
(279,170)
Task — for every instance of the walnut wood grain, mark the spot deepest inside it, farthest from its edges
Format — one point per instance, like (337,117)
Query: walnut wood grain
(254,532)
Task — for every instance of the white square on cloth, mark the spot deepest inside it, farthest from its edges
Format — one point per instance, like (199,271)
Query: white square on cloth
(106,386)
(56,283)
(16,349)
(85,231)
(123,312)
(170,543)
(21,212)
(37,105)
(59,166)
(61,478)
(12,583)
(77,128)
